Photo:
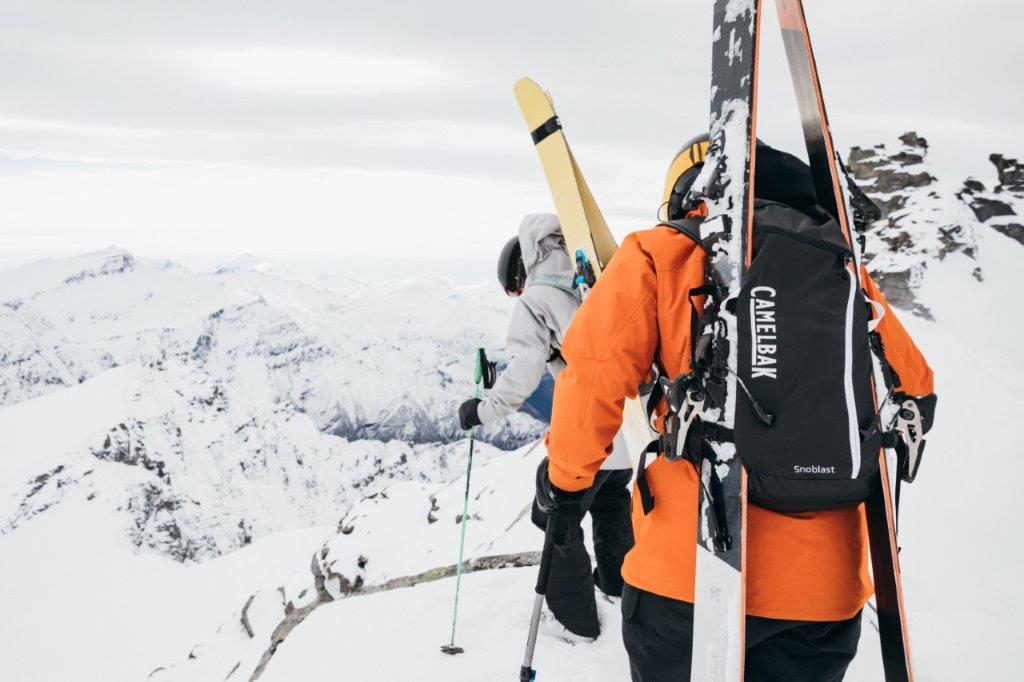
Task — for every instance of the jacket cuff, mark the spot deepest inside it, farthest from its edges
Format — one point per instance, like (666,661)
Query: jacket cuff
(487,413)
(566,481)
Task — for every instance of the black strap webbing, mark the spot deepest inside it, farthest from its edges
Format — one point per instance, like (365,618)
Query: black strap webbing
(548,127)
(702,433)
(889,375)
(902,461)
(642,485)
(688,226)
(695,322)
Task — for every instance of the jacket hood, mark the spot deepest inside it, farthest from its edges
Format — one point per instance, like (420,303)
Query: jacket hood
(540,238)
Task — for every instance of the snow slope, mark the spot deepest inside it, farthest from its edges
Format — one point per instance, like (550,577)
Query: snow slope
(204,476)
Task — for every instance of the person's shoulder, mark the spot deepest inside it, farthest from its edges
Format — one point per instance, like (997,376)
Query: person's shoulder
(665,246)
(663,235)
(535,295)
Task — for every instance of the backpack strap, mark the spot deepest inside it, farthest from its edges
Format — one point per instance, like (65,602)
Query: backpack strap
(688,226)
(563,282)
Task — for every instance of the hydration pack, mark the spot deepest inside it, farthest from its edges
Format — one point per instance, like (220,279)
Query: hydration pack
(805,420)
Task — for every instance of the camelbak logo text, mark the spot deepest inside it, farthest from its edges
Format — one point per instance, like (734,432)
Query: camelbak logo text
(763,362)
(813,469)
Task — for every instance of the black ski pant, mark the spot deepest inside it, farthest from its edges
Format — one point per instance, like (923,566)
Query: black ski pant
(570,594)
(658,634)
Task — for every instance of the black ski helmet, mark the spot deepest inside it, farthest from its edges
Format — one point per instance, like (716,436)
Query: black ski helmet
(778,176)
(511,271)
(683,170)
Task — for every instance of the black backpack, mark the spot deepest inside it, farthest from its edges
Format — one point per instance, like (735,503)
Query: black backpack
(804,361)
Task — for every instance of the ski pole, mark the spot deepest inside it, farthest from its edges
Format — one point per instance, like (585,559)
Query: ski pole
(526,672)
(451,648)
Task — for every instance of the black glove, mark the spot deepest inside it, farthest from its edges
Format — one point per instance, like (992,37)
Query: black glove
(564,510)
(468,417)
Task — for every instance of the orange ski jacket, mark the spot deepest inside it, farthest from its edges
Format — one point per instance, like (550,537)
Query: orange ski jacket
(807,566)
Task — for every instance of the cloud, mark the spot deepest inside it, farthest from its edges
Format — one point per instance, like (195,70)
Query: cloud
(241,106)
(311,71)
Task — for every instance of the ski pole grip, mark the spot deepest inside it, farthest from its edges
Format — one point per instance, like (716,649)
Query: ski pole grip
(478,375)
(545,561)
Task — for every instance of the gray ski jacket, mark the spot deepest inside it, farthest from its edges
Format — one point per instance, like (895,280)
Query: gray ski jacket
(539,320)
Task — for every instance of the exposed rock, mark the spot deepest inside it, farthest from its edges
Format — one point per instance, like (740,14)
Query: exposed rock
(295,612)
(155,511)
(1011,173)
(1011,230)
(116,262)
(125,444)
(882,172)
(985,208)
(920,221)
(1003,208)
(43,492)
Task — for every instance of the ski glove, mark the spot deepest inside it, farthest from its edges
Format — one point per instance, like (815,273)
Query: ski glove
(468,417)
(564,511)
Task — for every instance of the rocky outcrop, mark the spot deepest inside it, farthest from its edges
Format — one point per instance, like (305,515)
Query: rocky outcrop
(1002,209)
(921,222)
(1010,172)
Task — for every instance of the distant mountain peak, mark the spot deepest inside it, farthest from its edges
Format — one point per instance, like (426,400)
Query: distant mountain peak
(111,261)
(245,262)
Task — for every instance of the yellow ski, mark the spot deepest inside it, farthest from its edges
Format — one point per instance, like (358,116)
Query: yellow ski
(584,228)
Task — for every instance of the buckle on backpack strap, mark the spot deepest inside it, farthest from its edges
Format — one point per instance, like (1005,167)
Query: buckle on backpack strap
(911,430)
(686,402)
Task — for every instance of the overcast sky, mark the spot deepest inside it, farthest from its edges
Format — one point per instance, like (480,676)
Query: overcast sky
(349,133)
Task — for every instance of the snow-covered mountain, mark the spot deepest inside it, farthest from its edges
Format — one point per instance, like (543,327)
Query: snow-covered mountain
(362,361)
(231,404)
(205,476)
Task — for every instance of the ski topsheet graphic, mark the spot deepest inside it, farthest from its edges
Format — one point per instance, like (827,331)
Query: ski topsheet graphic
(833,191)
(726,187)
(587,238)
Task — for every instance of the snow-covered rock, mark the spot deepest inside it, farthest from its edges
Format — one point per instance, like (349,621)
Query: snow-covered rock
(1002,209)
(923,220)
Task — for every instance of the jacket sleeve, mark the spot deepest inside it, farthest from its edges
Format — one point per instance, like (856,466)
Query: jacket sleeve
(915,376)
(529,345)
(608,351)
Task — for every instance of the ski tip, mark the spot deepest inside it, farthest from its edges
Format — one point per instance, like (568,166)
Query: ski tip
(451,649)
